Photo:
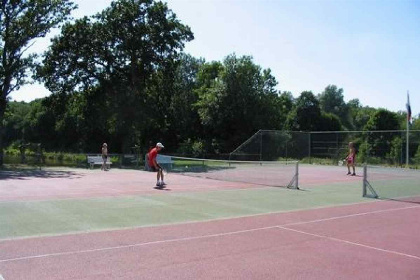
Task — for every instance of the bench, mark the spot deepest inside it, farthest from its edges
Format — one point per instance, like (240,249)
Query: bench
(165,161)
(97,160)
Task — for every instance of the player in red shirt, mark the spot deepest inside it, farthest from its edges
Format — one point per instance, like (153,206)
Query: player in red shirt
(154,165)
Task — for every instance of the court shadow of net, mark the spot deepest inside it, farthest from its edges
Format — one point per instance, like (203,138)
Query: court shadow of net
(14,174)
(414,200)
(391,184)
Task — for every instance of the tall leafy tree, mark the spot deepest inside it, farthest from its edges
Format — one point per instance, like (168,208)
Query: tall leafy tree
(120,55)
(20,23)
(331,100)
(236,99)
(16,122)
(286,104)
(184,120)
(358,114)
(381,142)
(307,114)
(330,122)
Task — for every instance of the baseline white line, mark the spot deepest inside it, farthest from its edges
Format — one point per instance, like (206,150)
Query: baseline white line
(349,242)
(137,244)
(201,237)
(1,277)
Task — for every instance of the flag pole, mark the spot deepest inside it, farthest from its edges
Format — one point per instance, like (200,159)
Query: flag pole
(408,134)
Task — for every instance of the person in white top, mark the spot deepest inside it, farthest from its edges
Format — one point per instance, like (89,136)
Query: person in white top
(104,156)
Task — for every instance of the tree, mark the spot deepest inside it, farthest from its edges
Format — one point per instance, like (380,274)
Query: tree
(331,100)
(16,122)
(417,156)
(359,115)
(235,100)
(381,142)
(395,154)
(307,114)
(124,56)
(183,117)
(383,119)
(330,122)
(20,23)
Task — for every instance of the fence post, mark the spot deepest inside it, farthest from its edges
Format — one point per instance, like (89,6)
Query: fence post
(309,147)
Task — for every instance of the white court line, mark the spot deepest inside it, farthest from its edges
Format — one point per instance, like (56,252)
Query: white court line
(352,215)
(137,244)
(219,235)
(349,242)
(1,277)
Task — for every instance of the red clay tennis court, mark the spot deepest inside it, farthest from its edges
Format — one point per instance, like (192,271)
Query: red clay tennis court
(84,224)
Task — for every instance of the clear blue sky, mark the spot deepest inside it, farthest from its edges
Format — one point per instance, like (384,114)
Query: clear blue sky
(369,48)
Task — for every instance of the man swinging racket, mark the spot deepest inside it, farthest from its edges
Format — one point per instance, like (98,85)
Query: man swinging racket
(154,165)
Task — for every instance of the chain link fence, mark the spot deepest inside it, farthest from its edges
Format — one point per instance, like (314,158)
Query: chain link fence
(326,147)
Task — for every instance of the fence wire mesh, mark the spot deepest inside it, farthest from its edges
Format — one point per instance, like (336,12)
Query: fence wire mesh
(372,147)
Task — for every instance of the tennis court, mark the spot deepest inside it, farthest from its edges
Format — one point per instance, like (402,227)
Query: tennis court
(88,224)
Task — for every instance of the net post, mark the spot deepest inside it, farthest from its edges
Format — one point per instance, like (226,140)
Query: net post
(297,176)
(367,185)
(364,180)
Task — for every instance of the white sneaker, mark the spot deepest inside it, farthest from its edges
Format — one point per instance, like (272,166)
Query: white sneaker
(163,184)
(158,184)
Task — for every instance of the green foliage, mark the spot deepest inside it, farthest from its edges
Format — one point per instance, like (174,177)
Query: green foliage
(396,151)
(192,148)
(383,120)
(122,60)
(12,151)
(20,23)
(330,122)
(364,152)
(318,161)
(415,124)
(307,114)
(381,142)
(183,119)
(417,156)
(236,99)
(359,115)
(332,101)
(16,121)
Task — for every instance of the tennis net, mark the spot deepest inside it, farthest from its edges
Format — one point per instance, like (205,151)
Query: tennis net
(267,173)
(391,183)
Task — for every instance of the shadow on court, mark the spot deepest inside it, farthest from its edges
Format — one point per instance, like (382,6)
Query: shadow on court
(414,200)
(16,174)
(162,188)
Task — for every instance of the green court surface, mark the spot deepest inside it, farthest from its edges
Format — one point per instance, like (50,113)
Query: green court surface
(396,188)
(19,219)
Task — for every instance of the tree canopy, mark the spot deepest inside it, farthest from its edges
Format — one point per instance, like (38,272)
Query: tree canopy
(20,23)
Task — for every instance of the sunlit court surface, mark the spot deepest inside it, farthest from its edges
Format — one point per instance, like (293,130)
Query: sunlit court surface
(59,223)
